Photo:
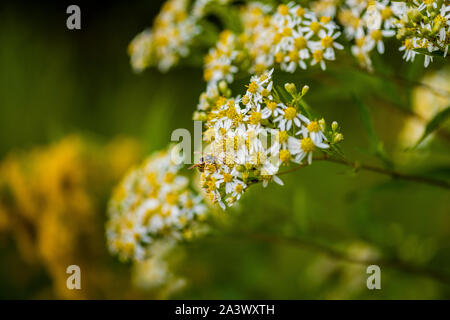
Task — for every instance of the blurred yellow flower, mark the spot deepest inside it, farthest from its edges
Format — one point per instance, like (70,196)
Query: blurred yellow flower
(52,201)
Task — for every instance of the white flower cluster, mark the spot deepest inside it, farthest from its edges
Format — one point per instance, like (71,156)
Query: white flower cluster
(152,203)
(425,28)
(292,37)
(250,138)
(367,23)
(168,40)
(220,62)
(422,25)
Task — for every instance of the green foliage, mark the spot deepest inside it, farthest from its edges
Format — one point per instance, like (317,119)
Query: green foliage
(434,124)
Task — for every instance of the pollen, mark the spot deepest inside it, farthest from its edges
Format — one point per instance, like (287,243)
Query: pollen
(283,9)
(307,145)
(294,56)
(252,87)
(212,185)
(300,12)
(283,136)
(386,13)
(277,37)
(325,19)
(255,117)
(285,156)
(318,55)
(172,198)
(314,26)
(300,43)
(327,42)
(227,177)
(238,188)
(272,105)
(287,32)
(265,92)
(409,44)
(376,35)
(169,177)
(279,57)
(313,126)
(290,113)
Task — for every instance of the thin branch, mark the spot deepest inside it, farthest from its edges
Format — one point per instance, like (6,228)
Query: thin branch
(340,255)
(394,174)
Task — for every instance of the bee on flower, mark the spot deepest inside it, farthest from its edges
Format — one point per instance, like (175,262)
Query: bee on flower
(253,137)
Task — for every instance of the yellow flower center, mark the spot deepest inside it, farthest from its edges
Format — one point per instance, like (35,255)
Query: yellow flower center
(227,177)
(279,57)
(211,185)
(287,32)
(300,12)
(318,55)
(313,126)
(283,9)
(245,99)
(277,37)
(169,177)
(327,42)
(172,198)
(293,55)
(283,136)
(255,117)
(207,74)
(314,26)
(265,92)
(238,188)
(290,113)
(272,105)
(221,101)
(386,13)
(376,35)
(189,204)
(360,42)
(325,19)
(285,156)
(307,145)
(300,43)
(252,87)
(409,44)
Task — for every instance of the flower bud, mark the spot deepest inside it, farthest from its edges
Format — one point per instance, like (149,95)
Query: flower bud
(305,90)
(223,86)
(414,15)
(338,138)
(322,124)
(200,116)
(291,88)
(334,126)
(240,168)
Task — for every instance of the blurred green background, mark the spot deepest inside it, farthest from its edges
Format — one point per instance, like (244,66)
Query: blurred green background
(290,242)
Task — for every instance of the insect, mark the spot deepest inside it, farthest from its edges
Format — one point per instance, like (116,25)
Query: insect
(208,159)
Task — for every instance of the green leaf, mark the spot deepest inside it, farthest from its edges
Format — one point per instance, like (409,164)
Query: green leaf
(434,124)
